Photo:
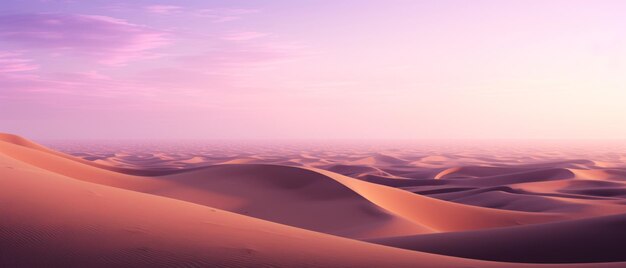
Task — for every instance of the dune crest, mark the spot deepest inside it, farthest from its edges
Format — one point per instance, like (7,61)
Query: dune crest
(259,213)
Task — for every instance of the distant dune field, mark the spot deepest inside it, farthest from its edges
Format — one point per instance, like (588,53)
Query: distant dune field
(315,207)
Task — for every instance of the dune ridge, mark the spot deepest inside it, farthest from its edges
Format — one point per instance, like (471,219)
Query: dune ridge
(272,215)
(113,226)
(404,205)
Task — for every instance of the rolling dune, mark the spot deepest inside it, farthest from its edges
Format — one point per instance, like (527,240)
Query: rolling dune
(586,240)
(62,210)
(82,224)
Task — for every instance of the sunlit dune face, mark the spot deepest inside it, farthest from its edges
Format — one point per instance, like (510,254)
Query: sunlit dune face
(312,204)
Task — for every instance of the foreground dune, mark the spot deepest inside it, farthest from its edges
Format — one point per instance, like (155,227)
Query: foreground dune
(58,210)
(560,242)
(53,220)
(357,208)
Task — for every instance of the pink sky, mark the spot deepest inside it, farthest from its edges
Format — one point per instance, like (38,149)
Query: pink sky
(313,69)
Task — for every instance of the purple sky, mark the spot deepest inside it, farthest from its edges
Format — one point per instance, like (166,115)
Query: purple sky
(313,69)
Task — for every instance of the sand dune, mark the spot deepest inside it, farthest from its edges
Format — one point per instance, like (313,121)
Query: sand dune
(281,194)
(378,159)
(436,214)
(76,223)
(352,204)
(183,210)
(351,170)
(560,242)
(247,189)
(366,209)
(507,176)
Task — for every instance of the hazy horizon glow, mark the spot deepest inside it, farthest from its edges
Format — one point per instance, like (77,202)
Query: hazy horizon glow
(313,69)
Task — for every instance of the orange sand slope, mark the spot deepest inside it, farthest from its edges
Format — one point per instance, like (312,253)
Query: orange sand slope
(60,210)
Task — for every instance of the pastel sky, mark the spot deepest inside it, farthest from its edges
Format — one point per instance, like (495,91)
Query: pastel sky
(313,69)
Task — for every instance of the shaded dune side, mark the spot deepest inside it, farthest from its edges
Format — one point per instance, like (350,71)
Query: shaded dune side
(587,240)
(289,195)
(487,171)
(273,193)
(518,175)
(333,192)
(73,223)
(504,197)
(437,214)
(355,170)
(401,205)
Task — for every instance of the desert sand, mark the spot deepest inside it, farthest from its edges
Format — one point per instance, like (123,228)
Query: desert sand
(309,206)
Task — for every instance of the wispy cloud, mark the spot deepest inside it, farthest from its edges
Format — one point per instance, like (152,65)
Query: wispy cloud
(14,62)
(76,50)
(163,9)
(104,39)
(225,14)
(227,55)
(242,36)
